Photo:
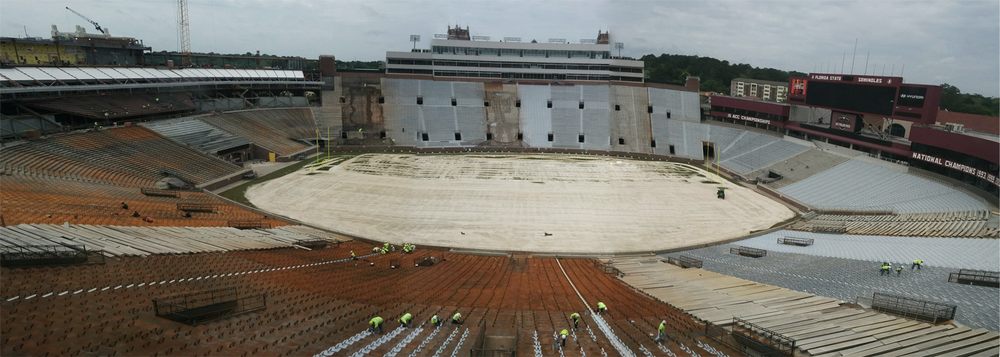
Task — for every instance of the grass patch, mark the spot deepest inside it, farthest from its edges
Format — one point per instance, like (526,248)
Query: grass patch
(238,193)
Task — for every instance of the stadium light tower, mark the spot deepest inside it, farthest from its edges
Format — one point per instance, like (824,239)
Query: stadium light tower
(619,46)
(414,39)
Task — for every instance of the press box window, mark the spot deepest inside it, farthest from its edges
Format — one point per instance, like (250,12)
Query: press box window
(520,136)
(489,136)
(425,137)
(649,109)
(343,100)
(671,149)
(652,143)
(458,136)
(579,138)
(420,100)
(454,102)
(581,105)
(548,104)
(517,103)
(550,137)
(621,141)
(486,103)
(618,108)
(381,100)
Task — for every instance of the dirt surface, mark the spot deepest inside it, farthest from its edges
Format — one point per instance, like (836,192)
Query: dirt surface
(537,203)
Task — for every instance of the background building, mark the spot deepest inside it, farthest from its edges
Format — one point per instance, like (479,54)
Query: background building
(765,90)
(72,49)
(459,55)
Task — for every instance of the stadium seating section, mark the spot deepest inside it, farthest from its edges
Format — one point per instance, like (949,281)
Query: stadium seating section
(127,156)
(117,107)
(55,200)
(942,224)
(864,185)
(106,308)
(283,131)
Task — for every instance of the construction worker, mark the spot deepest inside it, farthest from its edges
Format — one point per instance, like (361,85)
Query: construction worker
(576,320)
(456,319)
(917,263)
(899,269)
(353,256)
(885,268)
(405,319)
(435,321)
(601,308)
(384,250)
(562,337)
(661,331)
(376,324)
(375,250)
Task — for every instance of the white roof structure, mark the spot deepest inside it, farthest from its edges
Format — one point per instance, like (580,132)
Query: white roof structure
(22,79)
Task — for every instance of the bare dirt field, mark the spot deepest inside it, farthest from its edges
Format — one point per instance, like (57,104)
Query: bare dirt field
(528,202)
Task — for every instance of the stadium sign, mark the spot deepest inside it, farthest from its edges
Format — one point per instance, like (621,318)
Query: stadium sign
(825,77)
(748,118)
(991,178)
(857,79)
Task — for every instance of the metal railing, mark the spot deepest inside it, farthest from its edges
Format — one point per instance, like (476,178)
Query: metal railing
(975,277)
(802,242)
(41,255)
(912,308)
(761,339)
(198,307)
(748,252)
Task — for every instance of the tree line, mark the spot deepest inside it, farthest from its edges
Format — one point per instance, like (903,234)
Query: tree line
(716,75)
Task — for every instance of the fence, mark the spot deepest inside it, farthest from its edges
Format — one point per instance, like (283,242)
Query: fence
(748,252)
(248,224)
(762,340)
(685,261)
(196,207)
(159,193)
(42,255)
(312,243)
(198,307)
(913,308)
(802,242)
(976,277)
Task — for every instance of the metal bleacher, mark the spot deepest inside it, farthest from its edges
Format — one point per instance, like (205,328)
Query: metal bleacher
(142,241)
(196,134)
(860,185)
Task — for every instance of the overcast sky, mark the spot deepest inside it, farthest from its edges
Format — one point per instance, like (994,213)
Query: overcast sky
(956,42)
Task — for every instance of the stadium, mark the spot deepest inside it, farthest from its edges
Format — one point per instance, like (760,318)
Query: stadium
(177,209)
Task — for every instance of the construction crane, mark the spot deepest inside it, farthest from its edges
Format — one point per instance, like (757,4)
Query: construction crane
(184,32)
(92,22)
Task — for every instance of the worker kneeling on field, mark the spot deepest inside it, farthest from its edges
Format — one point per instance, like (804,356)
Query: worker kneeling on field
(601,308)
(456,319)
(576,320)
(562,337)
(435,321)
(375,324)
(405,319)
(661,331)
